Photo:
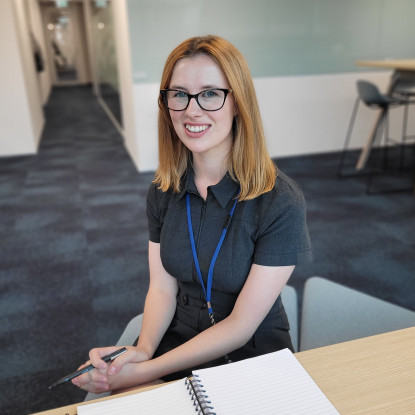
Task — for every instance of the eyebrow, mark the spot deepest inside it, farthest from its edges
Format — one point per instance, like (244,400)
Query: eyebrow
(204,87)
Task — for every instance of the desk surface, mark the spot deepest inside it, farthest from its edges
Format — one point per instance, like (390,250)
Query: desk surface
(399,64)
(373,375)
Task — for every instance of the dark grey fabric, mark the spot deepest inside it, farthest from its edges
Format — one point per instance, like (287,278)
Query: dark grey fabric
(192,317)
(270,230)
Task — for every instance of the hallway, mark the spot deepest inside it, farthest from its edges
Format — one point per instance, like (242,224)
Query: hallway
(73,233)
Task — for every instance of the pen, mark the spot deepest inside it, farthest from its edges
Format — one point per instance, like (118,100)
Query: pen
(85,369)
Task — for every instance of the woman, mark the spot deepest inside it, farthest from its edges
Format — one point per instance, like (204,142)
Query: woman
(226,228)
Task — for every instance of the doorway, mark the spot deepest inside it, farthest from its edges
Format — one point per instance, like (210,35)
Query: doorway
(81,49)
(65,36)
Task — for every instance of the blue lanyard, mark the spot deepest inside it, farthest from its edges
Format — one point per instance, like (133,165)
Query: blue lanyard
(207,290)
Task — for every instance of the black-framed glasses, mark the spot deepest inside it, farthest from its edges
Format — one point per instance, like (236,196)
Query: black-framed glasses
(208,100)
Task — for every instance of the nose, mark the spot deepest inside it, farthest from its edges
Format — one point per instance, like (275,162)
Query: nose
(193,107)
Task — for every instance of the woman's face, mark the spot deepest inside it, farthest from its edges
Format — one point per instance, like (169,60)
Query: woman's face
(204,133)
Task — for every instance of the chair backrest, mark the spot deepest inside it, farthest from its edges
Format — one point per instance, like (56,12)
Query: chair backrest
(370,94)
(333,313)
(404,87)
(128,337)
(131,332)
(290,301)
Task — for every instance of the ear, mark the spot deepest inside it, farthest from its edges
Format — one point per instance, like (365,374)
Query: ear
(235,105)
(235,109)
(234,126)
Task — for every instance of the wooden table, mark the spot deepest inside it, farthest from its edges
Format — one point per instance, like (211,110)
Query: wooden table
(396,64)
(402,69)
(373,375)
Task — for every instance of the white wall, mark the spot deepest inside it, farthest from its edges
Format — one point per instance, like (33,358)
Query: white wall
(310,114)
(128,105)
(145,114)
(301,114)
(36,25)
(21,115)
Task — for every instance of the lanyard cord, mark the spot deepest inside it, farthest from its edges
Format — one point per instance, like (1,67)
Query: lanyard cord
(207,290)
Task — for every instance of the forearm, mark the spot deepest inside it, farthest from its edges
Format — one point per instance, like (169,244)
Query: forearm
(160,303)
(260,292)
(158,312)
(213,343)
(208,345)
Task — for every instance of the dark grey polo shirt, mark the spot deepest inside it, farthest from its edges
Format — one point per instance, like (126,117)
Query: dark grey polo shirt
(269,230)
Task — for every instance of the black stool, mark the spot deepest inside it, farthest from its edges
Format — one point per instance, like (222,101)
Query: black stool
(370,95)
(401,177)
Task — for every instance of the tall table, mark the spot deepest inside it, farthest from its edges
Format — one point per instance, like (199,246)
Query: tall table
(373,375)
(402,69)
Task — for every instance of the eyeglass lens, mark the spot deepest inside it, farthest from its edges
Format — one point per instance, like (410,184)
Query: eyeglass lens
(209,100)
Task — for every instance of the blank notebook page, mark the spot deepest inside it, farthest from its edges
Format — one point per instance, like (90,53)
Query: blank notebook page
(271,384)
(172,398)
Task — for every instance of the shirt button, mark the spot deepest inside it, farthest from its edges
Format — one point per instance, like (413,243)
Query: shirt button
(204,306)
(185,299)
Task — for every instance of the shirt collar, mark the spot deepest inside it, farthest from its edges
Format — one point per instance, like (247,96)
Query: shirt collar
(223,191)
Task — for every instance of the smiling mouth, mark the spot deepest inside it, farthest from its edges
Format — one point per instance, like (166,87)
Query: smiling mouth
(196,128)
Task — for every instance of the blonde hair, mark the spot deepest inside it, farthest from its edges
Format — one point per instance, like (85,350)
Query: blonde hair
(249,161)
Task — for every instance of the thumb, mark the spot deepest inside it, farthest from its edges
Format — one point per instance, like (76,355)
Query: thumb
(118,363)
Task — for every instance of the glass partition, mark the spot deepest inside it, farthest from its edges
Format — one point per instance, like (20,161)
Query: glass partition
(104,55)
(62,48)
(277,37)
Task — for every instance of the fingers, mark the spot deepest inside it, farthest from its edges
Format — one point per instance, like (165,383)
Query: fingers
(95,380)
(97,354)
(117,364)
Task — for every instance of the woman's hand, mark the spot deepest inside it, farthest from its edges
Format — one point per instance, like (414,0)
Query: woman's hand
(103,377)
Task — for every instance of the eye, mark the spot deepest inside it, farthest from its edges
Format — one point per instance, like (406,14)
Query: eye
(210,93)
(179,94)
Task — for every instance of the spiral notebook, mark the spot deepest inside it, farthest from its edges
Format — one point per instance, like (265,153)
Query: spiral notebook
(270,384)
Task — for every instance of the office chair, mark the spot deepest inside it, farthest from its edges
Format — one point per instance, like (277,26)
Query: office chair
(404,88)
(128,337)
(333,313)
(290,301)
(396,172)
(369,94)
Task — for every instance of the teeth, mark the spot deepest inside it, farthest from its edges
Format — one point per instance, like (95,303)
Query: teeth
(196,128)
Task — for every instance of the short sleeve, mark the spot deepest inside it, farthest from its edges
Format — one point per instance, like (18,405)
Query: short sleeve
(153,214)
(283,236)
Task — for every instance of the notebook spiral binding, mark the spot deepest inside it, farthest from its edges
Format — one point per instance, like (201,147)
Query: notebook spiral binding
(199,397)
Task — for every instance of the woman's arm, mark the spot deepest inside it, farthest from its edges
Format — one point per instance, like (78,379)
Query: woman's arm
(259,293)
(159,309)
(160,303)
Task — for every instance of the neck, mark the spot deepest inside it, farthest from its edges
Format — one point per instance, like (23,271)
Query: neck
(208,172)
